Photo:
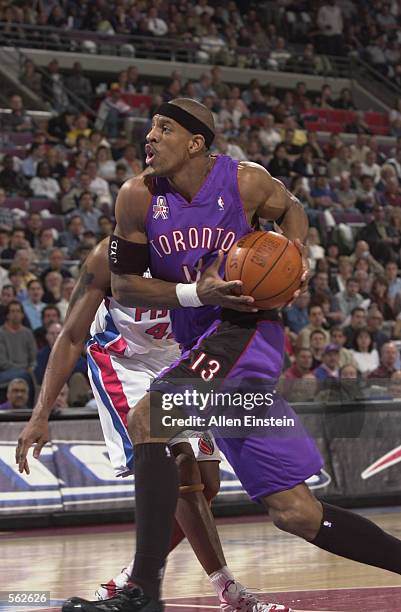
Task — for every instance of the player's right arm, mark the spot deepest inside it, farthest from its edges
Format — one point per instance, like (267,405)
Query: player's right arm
(130,288)
(88,293)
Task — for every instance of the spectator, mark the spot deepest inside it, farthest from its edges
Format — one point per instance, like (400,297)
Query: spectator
(324,196)
(304,165)
(340,163)
(296,316)
(46,243)
(380,297)
(50,314)
(364,353)
(7,295)
(17,346)
(105,227)
(34,305)
(338,337)
(366,195)
(268,135)
(112,113)
(32,78)
(105,164)
(330,24)
(34,227)
(56,264)
(370,167)
(98,186)
(302,366)
(71,238)
(23,262)
(156,25)
(317,322)
(346,195)
(394,282)
(374,324)
(349,298)
(67,288)
(389,356)
(30,164)
(53,87)
(233,150)
(358,125)
(362,251)
(61,402)
(345,101)
(212,45)
(338,283)
(130,161)
(79,84)
(13,182)
(17,395)
(18,120)
(329,369)
(43,185)
(52,282)
(358,321)
(279,164)
(88,213)
(318,341)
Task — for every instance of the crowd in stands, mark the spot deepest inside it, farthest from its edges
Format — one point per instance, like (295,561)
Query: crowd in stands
(58,183)
(223,29)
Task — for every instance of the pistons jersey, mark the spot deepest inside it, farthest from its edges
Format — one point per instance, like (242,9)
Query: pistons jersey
(130,332)
(184,237)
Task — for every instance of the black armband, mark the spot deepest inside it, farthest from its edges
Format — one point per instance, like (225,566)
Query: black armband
(126,257)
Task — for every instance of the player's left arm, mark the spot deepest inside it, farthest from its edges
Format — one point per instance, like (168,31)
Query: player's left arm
(270,199)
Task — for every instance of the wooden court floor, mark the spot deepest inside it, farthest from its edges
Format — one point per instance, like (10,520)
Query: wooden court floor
(73,561)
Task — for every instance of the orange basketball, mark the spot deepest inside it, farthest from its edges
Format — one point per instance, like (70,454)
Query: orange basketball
(269,265)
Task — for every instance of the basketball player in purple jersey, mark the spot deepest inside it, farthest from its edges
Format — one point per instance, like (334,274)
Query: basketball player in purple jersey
(187,209)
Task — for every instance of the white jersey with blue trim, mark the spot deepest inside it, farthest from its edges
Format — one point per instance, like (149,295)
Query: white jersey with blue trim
(128,331)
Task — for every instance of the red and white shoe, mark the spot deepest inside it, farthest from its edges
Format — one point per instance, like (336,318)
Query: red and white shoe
(238,598)
(110,588)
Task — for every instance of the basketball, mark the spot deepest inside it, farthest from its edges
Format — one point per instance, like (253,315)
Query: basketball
(269,265)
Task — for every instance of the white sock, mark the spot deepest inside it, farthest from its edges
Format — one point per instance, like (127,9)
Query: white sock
(220,579)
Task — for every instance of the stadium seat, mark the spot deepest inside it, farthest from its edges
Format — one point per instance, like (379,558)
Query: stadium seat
(38,204)
(56,222)
(15,202)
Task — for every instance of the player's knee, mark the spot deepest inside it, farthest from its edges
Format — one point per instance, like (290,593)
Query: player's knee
(211,480)
(138,422)
(188,470)
(296,519)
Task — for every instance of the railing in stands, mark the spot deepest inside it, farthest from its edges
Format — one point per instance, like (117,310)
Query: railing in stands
(17,59)
(187,50)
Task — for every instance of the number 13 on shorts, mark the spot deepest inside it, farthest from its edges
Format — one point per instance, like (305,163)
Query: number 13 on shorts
(210,367)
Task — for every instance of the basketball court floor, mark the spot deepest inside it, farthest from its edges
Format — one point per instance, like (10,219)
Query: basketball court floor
(73,561)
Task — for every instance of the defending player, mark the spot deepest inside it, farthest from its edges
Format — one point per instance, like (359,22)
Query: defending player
(190,207)
(128,347)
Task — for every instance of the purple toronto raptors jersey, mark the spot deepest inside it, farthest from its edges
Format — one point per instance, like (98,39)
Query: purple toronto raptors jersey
(184,237)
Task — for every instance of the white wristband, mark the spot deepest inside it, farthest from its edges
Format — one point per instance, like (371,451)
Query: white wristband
(187,295)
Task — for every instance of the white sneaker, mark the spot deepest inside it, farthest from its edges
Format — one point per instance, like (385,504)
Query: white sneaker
(108,589)
(238,598)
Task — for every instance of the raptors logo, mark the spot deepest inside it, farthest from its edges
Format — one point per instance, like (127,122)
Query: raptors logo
(206,445)
(161,209)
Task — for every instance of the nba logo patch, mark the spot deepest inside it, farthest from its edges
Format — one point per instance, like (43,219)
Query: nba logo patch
(220,203)
(161,209)
(206,445)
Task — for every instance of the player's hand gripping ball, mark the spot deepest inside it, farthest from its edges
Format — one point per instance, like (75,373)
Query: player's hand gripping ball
(270,267)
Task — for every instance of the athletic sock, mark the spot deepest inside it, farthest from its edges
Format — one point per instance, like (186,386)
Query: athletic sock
(354,537)
(220,581)
(156,484)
